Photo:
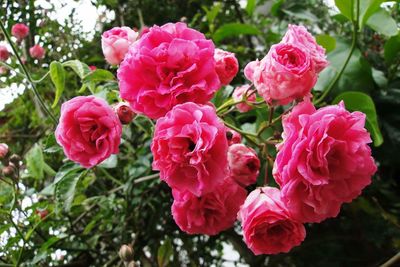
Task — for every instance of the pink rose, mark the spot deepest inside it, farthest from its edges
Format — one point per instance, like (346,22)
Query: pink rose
(244,164)
(20,31)
(143,31)
(239,94)
(232,136)
(169,65)
(299,36)
(116,42)
(286,73)
(37,52)
(3,150)
(226,65)
(4,54)
(212,212)
(323,161)
(89,131)
(267,225)
(189,148)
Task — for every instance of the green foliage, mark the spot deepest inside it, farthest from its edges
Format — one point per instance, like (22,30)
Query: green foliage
(234,29)
(57,75)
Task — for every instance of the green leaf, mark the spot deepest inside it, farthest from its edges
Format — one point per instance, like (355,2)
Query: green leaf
(57,75)
(212,13)
(99,76)
(367,8)
(379,78)
(250,6)
(327,42)
(383,23)
(301,14)
(392,49)
(65,189)
(276,6)
(165,251)
(357,101)
(69,168)
(80,68)
(234,29)
(35,162)
(110,162)
(346,7)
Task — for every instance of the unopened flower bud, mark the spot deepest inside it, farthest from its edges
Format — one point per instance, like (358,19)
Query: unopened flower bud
(233,136)
(126,253)
(124,112)
(42,213)
(8,171)
(244,164)
(3,150)
(14,158)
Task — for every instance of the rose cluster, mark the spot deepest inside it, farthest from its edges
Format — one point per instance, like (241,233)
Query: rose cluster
(170,73)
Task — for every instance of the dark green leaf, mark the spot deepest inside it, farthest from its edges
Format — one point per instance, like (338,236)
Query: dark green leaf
(383,23)
(392,49)
(35,162)
(234,29)
(99,76)
(65,189)
(346,7)
(165,251)
(69,168)
(250,6)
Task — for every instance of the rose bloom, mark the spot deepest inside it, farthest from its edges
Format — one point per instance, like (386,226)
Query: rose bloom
(189,148)
(299,36)
(4,54)
(232,136)
(116,42)
(169,65)
(226,65)
(285,74)
(244,164)
(267,225)
(89,131)
(212,212)
(239,94)
(323,161)
(3,150)
(20,31)
(37,52)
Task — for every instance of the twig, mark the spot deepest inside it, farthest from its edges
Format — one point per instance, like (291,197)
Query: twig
(392,260)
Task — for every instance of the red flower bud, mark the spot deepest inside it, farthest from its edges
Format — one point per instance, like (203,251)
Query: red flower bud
(9,171)
(42,213)
(126,253)
(3,150)
(124,112)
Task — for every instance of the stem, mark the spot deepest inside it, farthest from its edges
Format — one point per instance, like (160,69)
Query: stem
(109,176)
(353,46)
(146,178)
(249,136)
(28,76)
(392,261)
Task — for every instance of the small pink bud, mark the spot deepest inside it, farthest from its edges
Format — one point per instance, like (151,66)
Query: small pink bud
(124,112)
(4,54)
(233,136)
(37,52)
(244,164)
(115,43)
(92,68)
(3,150)
(126,253)
(3,70)
(9,170)
(20,31)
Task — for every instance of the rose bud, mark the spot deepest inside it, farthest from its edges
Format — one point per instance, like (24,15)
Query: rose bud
(42,213)
(226,65)
(116,42)
(126,253)
(124,112)
(3,70)
(239,95)
(244,164)
(3,150)
(15,159)
(20,31)
(37,52)
(233,137)
(9,170)
(4,54)
(92,68)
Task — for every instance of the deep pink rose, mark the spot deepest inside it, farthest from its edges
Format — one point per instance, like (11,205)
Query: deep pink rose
(323,161)
(232,136)
(3,150)
(286,73)
(189,148)
(20,31)
(226,65)
(299,36)
(169,65)
(4,54)
(212,212)
(239,94)
(37,52)
(116,42)
(267,225)
(244,164)
(89,131)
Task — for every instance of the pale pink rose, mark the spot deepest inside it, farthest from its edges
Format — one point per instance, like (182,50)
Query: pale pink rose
(239,94)
(20,31)
(37,52)
(116,42)
(226,65)
(169,65)
(189,148)
(89,131)
(210,213)
(267,225)
(3,150)
(299,36)
(244,164)
(232,136)
(323,161)
(4,54)
(285,74)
